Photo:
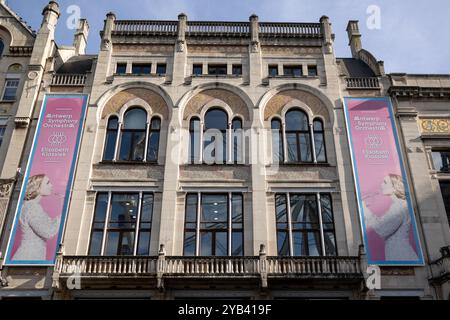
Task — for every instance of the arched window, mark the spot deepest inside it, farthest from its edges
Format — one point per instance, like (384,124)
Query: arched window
(111,138)
(319,141)
(132,146)
(2,47)
(154,134)
(238,140)
(194,140)
(298,137)
(216,125)
(277,141)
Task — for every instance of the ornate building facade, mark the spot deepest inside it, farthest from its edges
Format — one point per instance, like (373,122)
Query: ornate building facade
(156,213)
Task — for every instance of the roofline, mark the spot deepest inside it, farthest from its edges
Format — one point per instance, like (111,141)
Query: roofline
(19,19)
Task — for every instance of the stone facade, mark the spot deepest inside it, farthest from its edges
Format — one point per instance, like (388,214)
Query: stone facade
(255,96)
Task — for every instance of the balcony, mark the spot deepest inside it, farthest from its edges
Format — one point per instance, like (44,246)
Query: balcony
(363,83)
(254,269)
(68,80)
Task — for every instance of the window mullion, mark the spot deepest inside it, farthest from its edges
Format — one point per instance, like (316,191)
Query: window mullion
(283,133)
(105,227)
(138,221)
(313,143)
(197,231)
(322,237)
(118,141)
(288,208)
(229,144)
(230,226)
(201,142)
(147,130)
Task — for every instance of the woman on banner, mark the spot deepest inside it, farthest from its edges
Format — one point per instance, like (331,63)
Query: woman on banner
(36,225)
(394,226)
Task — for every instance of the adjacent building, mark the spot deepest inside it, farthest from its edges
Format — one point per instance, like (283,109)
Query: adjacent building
(156,212)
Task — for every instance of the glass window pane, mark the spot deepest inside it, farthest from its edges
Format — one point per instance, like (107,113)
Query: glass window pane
(330,244)
(121,68)
(304,210)
(147,207)
(110,145)
(214,208)
(101,206)
(305,147)
(441,160)
(126,244)
(191,208)
(155,124)
(189,244)
(237,243)
(135,119)
(280,207)
(221,248)
(112,243)
(216,119)
(237,205)
(124,209)
(161,69)
(292,147)
(297,120)
(137,146)
(113,123)
(197,69)
(445,189)
(299,245)
(319,144)
(95,249)
(273,71)
(314,246)
(206,245)
(153,146)
(283,243)
(143,244)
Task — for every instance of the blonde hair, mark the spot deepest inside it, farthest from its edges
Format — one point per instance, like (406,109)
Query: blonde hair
(398,186)
(34,187)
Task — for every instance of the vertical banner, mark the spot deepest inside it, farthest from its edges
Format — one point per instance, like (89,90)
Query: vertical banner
(47,185)
(387,217)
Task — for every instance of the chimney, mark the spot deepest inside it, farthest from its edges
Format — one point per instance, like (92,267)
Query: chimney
(107,30)
(327,34)
(51,15)
(81,35)
(354,37)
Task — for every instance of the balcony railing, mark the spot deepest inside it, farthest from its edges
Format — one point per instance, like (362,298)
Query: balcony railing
(363,83)
(256,267)
(69,80)
(291,29)
(146,27)
(216,28)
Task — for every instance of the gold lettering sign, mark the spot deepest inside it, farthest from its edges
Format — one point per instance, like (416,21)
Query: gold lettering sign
(435,125)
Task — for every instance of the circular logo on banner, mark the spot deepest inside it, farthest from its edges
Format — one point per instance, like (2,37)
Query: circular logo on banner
(373,141)
(57,138)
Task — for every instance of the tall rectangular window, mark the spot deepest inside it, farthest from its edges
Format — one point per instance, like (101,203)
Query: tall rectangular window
(237,69)
(305,225)
(2,134)
(441,160)
(214,225)
(10,90)
(273,70)
(312,71)
(122,224)
(197,69)
(445,189)
(161,68)
(217,69)
(121,68)
(293,71)
(141,68)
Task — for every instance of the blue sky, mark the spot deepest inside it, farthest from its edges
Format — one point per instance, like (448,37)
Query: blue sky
(412,36)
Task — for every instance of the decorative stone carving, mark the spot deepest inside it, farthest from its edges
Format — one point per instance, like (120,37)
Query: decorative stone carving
(6,189)
(180,46)
(22,122)
(234,101)
(434,126)
(155,101)
(276,103)
(255,47)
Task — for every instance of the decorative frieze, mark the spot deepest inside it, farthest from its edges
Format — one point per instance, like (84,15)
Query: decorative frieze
(428,126)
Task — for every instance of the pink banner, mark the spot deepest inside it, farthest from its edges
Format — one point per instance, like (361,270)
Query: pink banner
(47,183)
(387,218)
